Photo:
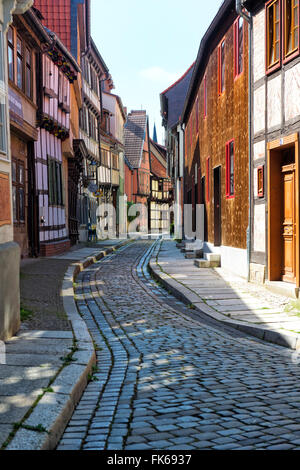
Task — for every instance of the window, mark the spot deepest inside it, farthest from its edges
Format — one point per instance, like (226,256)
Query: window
(205,97)
(208,179)
(230,169)
(273,33)
(18,189)
(221,67)
(63,92)
(2,101)
(238,46)
(291,27)
(10,48)
(19,64)
(28,87)
(260,181)
(55,183)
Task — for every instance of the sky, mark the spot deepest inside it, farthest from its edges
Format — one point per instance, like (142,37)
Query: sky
(148,45)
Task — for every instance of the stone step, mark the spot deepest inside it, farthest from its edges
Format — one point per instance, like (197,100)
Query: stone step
(204,263)
(195,254)
(213,257)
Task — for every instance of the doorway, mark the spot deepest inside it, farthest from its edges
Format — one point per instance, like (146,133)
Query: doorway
(217,207)
(283,211)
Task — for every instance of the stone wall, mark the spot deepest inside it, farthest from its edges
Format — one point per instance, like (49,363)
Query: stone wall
(9,290)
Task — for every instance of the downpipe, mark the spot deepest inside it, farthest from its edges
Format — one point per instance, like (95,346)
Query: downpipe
(248,17)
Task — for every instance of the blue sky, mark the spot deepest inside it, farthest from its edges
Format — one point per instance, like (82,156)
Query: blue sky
(148,45)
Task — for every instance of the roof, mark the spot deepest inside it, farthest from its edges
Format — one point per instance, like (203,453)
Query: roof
(135,134)
(61,16)
(221,22)
(160,148)
(173,98)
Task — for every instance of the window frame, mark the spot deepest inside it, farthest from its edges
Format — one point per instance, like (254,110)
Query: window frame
(208,171)
(55,183)
(197,115)
(228,173)
(205,97)
(11,47)
(20,57)
(260,176)
(287,56)
(276,65)
(17,186)
(28,67)
(221,63)
(3,104)
(236,51)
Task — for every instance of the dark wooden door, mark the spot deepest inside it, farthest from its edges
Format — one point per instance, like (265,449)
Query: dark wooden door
(217,207)
(289,224)
(33,205)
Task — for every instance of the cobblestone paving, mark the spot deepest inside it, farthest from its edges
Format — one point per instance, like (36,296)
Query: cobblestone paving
(167,381)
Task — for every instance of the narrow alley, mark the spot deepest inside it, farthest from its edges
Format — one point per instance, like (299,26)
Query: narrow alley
(165,380)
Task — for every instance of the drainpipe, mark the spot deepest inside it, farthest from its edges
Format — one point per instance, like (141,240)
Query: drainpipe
(248,17)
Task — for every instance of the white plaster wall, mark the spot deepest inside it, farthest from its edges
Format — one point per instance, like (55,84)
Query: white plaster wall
(259,242)
(233,259)
(274,102)
(259,109)
(259,150)
(292,93)
(258,46)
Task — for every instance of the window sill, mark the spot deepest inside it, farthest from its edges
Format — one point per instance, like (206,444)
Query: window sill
(273,68)
(4,157)
(291,56)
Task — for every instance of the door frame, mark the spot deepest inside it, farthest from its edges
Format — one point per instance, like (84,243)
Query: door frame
(218,237)
(274,149)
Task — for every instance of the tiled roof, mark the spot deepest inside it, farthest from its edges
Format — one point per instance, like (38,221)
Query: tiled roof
(135,133)
(57,17)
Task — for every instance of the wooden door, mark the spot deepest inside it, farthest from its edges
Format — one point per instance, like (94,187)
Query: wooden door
(289,224)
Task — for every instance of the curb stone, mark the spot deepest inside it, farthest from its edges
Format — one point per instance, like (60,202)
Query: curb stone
(279,337)
(54,410)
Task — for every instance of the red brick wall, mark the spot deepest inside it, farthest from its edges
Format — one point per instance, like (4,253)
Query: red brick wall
(55,248)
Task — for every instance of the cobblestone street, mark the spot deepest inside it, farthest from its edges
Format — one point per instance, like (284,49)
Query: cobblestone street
(169,379)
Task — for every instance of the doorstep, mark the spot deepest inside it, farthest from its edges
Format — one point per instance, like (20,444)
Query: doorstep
(283,288)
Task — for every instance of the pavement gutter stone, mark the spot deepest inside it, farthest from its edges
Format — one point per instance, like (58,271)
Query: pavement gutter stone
(55,410)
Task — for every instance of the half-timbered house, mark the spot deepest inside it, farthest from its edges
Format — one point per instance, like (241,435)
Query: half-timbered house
(275,252)
(162,194)
(137,152)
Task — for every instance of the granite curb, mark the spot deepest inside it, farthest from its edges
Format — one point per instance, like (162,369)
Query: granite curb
(55,409)
(280,337)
